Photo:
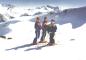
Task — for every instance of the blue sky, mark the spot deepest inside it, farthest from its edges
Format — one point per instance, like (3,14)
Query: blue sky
(45,2)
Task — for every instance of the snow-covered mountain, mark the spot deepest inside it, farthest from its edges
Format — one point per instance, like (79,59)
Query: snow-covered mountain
(9,6)
(75,16)
(49,8)
(2,18)
(72,15)
(5,10)
(11,11)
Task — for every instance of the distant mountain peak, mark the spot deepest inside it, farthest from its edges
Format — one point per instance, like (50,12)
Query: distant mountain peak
(48,7)
(52,7)
(8,5)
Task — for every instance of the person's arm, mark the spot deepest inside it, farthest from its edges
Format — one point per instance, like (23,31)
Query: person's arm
(35,26)
(55,28)
(40,26)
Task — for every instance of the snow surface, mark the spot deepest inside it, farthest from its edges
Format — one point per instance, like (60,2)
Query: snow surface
(70,41)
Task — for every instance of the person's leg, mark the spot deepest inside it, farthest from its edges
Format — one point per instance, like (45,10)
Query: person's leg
(43,35)
(52,38)
(38,34)
(35,39)
(52,41)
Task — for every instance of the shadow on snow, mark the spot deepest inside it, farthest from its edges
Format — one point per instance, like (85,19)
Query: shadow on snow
(27,45)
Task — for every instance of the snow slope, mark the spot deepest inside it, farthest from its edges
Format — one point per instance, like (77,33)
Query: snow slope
(70,42)
(76,16)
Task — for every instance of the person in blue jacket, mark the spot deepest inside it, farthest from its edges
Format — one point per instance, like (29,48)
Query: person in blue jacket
(52,29)
(37,30)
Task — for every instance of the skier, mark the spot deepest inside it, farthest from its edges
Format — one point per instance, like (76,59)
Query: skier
(44,30)
(52,29)
(37,30)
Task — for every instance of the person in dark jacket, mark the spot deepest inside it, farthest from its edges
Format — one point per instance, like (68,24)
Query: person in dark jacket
(44,30)
(52,29)
(37,30)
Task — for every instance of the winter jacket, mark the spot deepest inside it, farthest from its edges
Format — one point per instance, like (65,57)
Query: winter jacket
(52,28)
(37,26)
(45,26)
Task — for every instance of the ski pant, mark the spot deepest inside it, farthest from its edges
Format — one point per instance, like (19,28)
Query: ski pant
(52,37)
(37,36)
(43,35)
